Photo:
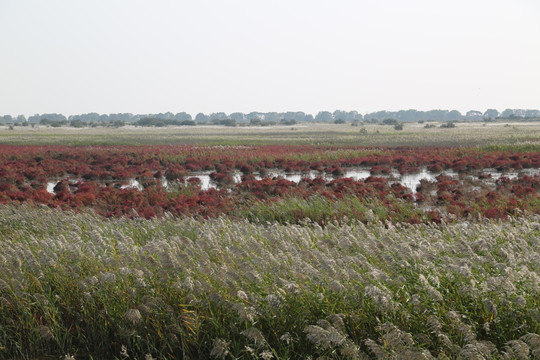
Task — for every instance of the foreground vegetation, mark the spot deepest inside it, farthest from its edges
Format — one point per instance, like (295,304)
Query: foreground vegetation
(79,285)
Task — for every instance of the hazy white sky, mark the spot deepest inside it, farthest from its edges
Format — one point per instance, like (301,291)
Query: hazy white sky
(144,56)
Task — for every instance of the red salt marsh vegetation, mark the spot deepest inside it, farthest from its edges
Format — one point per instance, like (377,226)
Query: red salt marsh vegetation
(275,182)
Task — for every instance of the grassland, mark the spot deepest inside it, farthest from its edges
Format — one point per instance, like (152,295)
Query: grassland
(184,288)
(414,134)
(76,285)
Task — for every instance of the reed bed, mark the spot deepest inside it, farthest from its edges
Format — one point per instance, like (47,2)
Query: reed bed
(413,134)
(78,286)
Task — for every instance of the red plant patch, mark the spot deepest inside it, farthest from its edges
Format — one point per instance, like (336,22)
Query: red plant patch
(97,176)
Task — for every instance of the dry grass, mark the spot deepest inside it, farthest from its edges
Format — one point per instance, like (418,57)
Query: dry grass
(184,288)
(414,134)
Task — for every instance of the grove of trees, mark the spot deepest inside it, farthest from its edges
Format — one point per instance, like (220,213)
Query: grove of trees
(268,118)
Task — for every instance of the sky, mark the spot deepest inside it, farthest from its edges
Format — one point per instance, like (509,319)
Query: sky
(151,56)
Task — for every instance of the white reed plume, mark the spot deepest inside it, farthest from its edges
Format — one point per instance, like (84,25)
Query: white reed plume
(266,355)
(286,338)
(133,316)
(123,351)
(242,295)
(220,349)
(45,332)
(516,349)
(328,337)
(255,335)
(533,340)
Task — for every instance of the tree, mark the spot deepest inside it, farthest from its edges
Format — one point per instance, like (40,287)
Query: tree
(272,117)
(491,114)
(289,115)
(448,125)
(254,115)
(380,115)
(238,117)
(532,113)
(255,122)
(341,115)
(90,117)
(390,122)
(300,116)
(201,118)
(168,115)
(159,122)
(6,119)
(324,116)
(520,113)
(76,123)
(183,116)
(217,116)
(228,122)
(287,122)
(117,123)
(126,117)
(474,115)
(454,115)
(410,115)
(507,113)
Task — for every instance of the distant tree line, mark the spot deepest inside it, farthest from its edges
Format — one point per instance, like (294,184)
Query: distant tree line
(452,115)
(157,122)
(267,118)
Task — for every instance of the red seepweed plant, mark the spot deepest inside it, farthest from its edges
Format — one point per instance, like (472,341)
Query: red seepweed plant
(151,180)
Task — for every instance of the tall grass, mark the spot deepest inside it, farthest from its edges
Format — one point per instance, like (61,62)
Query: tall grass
(88,287)
(322,210)
(469,134)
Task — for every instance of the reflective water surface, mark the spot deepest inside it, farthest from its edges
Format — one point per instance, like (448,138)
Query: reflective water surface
(410,181)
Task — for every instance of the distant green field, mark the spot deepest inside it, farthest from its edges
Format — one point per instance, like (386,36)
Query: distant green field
(413,134)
